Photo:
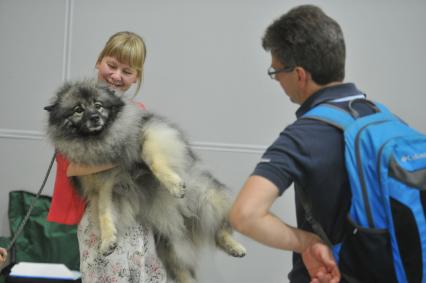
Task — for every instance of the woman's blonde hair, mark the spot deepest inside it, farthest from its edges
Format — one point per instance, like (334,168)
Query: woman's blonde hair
(128,48)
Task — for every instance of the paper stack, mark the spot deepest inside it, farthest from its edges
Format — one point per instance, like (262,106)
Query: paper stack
(44,270)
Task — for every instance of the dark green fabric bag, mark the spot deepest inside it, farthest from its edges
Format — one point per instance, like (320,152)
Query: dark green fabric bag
(40,240)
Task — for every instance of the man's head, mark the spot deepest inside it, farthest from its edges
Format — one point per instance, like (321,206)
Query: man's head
(306,37)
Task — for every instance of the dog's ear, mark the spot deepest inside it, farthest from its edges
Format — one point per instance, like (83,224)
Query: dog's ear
(49,108)
(113,96)
(59,93)
(119,103)
(63,90)
(108,90)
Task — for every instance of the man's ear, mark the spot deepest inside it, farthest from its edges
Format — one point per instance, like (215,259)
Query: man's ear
(302,75)
(49,108)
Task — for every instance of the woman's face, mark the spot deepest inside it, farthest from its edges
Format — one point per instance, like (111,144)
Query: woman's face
(117,75)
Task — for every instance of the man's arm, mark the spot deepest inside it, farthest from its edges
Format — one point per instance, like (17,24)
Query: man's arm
(251,216)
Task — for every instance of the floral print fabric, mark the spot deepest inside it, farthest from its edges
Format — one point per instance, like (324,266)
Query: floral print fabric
(133,260)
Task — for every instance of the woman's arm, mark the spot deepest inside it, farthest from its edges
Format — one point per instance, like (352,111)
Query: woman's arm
(82,169)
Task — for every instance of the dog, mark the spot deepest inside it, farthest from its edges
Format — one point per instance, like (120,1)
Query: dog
(157,178)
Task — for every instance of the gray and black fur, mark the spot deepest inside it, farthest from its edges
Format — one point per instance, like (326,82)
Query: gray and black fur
(157,178)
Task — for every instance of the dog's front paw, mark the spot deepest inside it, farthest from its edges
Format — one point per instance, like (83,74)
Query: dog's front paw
(174,184)
(178,190)
(108,247)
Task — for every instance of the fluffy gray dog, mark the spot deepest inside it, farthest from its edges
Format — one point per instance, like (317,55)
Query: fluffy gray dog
(158,180)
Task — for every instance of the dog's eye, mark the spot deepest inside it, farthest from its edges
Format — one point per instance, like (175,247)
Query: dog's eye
(98,105)
(78,109)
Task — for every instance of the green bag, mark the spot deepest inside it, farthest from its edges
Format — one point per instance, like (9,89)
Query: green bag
(40,240)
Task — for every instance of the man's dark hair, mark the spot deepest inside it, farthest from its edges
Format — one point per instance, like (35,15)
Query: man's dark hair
(307,37)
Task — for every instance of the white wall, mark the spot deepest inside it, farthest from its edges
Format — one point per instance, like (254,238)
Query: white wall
(206,71)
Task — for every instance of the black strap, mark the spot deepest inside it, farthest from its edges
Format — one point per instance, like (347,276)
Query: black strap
(317,228)
(309,217)
(27,216)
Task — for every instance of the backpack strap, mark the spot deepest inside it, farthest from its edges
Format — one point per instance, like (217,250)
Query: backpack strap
(383,108)
(341,119)
(330,114)
(309,217)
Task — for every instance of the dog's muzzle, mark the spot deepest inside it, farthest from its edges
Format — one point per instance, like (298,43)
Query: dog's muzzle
(94,123)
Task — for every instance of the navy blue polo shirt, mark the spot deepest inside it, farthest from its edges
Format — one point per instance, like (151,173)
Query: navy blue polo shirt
(310,154)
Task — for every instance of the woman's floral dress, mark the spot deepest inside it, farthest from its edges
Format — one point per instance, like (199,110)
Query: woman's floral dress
(133,260)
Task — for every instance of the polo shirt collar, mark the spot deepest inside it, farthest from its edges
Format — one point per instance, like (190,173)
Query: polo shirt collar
(327,94)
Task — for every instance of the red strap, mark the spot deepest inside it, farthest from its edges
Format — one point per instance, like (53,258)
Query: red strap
(67,206)
(140,104)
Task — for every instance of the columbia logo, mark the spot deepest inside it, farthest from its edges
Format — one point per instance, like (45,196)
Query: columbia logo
(415,156)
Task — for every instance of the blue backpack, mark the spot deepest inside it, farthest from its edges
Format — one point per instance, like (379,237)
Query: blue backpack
(385,160)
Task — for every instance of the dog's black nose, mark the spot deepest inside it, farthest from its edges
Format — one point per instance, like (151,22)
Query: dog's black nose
(94,118)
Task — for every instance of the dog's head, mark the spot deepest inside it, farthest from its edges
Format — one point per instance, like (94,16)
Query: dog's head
(83,108)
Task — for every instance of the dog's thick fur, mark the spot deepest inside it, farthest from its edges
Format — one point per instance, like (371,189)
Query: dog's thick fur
(157,179)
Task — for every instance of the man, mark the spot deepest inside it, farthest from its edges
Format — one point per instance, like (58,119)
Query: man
(308,60)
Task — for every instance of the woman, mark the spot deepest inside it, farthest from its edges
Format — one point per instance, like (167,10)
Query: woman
(119,65)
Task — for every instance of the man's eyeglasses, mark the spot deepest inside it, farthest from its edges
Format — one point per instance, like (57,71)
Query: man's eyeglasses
(272,72)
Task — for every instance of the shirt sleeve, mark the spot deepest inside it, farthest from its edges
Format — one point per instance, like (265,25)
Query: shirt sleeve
(67,206)
(284,161)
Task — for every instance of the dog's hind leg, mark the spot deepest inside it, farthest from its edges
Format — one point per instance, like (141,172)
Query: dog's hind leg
(108,231)
(227,243)
(215,210)
(176,269)
(163,151)
(184,276)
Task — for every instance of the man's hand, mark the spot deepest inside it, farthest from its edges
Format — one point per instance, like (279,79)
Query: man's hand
(320,263)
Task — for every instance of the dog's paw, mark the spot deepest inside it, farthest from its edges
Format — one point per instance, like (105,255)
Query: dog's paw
(229,245)
(108,247)
(175,185)
(178,190)
(184,276)
(236,250)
